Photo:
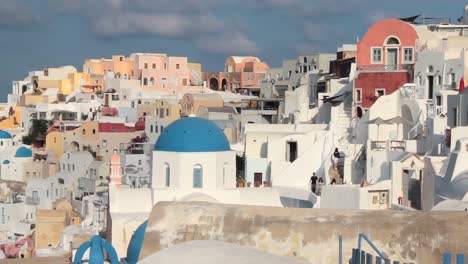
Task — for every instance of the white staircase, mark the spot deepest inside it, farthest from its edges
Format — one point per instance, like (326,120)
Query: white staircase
(343,129)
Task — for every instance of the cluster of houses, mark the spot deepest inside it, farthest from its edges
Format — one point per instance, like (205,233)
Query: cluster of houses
(379,125)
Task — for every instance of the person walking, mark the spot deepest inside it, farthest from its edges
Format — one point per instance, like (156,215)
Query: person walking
(313,182)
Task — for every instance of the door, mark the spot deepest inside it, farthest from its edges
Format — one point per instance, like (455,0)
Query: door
(392,56)
(430,83)
(258,179)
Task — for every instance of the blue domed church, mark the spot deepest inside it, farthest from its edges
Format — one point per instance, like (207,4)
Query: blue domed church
(192,161)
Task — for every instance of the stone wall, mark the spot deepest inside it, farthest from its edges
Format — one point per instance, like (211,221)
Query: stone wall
(309,234)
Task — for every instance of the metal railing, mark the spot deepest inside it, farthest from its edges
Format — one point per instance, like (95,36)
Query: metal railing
(435,111)
(412,92)
(385,67)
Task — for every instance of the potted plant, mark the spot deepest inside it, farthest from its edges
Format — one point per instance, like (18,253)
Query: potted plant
(240,182)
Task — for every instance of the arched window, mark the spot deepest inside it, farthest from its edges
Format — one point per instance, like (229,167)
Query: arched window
(197,176)
(430,69)
(305,59)
(167,171)
(151,81)
(225,168)
(125,76)
(393,41)
(145,81)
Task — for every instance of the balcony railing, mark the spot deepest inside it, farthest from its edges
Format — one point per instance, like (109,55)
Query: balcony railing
(391,145)
(385,67)
(32,200)
(435,111)
(413,92)
(378,145)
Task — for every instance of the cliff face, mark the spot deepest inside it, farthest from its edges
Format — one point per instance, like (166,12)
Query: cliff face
(309,234)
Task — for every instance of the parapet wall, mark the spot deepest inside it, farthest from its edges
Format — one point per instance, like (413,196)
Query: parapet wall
(309,234)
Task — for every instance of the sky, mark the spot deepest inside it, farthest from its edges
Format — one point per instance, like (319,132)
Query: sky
(36,34)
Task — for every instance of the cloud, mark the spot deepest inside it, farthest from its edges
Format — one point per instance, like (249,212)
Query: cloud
(189,20)
(15,14)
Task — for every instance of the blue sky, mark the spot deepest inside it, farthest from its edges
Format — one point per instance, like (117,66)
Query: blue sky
(47,33)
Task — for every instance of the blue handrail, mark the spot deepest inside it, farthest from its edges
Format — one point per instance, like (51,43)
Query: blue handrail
(380,253)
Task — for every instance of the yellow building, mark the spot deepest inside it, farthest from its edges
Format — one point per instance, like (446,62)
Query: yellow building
(49,227)
(55,142)
(13,121)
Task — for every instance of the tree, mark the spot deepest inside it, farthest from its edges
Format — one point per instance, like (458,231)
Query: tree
(38,128)
(240,165)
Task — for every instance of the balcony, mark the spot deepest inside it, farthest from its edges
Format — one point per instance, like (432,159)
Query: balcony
(32,200)
(386,68)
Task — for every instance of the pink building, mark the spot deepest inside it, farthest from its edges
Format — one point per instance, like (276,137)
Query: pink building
(385,60)
(156,72)
(239,72)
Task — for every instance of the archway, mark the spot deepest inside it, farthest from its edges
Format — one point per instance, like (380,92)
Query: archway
(224,85)
(406,113)
(359,112)
(214,84)
(75,146)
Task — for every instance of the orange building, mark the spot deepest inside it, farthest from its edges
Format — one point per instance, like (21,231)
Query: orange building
(239,72)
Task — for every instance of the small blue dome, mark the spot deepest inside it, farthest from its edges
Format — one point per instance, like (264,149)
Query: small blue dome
(134,247)
(23,152)
(192,134)
(5,135)
(6,162)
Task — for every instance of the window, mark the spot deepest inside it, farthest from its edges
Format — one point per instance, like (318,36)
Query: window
(145,81)
(162,128)
(94,131)
(152,81)
(358,95)
(151,129)
(225,167)
(167,170)
(146,65)
(177,66)
(393,41)
(154,65)
(197,176)
(73,167)
(408,55)
(452,77)
(165,66)
(157,111)
(47,194)
(84,131)
(156,129)
(376,55)
(139,162)
(291,151)
(104,143)
(379,92)
(438,100)
(167,112)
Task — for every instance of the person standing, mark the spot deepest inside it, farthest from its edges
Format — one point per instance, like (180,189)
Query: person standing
(320,185)
(313,182)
